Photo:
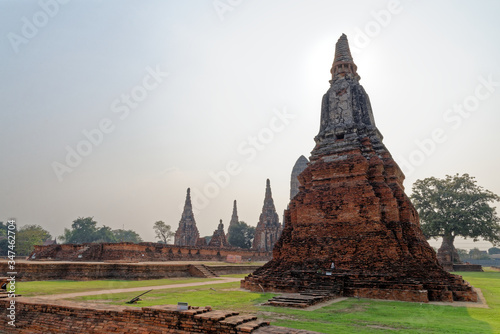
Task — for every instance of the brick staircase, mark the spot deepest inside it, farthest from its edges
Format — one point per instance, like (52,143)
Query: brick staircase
(300,300)
(202,270)
(235,323)
(231,320)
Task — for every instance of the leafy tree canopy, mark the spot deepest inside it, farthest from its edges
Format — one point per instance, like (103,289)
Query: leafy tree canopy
(82,230)
(456,206)
(494,250)
(85,230)
(126,236)
(3,230)
(163,232)
(105,234)
(28,236)
(241,235)
(478,254)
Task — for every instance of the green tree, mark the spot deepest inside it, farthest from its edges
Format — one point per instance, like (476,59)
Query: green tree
(241,235)
(463,253)
(126,236)
(456,206)
(3,230)
(66,236)
(4,243)
(82,230)
(104,234)
(478,254)
(494,250)
(28,236)
(163,232)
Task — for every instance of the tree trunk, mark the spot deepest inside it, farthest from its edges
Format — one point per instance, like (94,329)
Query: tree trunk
(447,254)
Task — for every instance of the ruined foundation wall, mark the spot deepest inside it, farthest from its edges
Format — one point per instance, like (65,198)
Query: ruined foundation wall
(142,252)
(83,271)
(40,317)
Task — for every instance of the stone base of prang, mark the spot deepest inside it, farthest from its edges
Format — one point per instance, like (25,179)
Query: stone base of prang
(366,285)
(141,252)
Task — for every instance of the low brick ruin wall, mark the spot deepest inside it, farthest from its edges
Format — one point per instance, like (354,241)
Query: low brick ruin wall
(234,269)
(40,317)
(82,271)
(141,252)
(467,267)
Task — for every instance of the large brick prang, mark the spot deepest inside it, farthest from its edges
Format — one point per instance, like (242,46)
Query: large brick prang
(351,229)
(268,228)
(187,233)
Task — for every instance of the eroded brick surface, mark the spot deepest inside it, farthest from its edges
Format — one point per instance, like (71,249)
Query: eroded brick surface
(39,317)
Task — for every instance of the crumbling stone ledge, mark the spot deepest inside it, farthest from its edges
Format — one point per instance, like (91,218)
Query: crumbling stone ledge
(142,252)
(36,316)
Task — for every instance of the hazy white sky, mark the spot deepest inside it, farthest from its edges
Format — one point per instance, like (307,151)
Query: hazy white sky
(112,109)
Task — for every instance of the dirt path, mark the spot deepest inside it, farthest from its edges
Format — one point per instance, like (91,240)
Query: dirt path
(138,289)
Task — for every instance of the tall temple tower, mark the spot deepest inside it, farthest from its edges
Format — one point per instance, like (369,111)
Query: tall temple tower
(187,233)
(234,219)
(298,168)
(351,217)
(268,229)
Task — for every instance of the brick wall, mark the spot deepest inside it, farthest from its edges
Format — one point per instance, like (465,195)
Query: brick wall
(39,317)
(145,251)
(82,271)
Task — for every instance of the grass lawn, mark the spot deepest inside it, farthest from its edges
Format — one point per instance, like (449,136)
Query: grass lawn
(349,316)
(225,296)
(38,288)
(373,316)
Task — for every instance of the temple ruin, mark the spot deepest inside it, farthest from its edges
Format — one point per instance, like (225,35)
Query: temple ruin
(234,219)
(268,229)
(219,237)
(351,229)
(187,233)
(298,168)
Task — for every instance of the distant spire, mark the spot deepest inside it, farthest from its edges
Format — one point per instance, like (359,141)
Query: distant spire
(343,64)
(268,199)
(188,208)
(234,219)
(187,233)
(234,216)
(268,190)
(268,228)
